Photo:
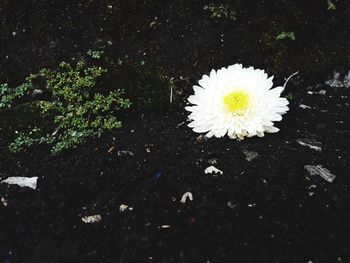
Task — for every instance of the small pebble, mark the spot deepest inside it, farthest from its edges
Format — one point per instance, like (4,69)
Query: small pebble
(124,207)
(91,219)
(185,196)
(212,169)
(3,201)
(201,139)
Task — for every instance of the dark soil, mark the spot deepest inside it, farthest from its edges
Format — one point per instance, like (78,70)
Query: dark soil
(266,210)
(269,209)
(176,34)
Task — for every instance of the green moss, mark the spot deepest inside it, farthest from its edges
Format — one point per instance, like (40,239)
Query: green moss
(77,103)
(76,108)
(286,36)
(220,11)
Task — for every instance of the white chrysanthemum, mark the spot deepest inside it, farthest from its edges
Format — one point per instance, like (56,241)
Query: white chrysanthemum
(236,101)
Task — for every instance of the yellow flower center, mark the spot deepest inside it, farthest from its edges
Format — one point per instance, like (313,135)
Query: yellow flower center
(236,102)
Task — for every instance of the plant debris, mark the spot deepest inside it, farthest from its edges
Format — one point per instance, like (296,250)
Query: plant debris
(314,145)
(321,171)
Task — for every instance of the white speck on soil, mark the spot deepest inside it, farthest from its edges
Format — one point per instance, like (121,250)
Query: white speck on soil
(164,226)
(212,161)
(213,169)
(124,207)
(185,196)
(319,170)
(91,219)
(304,107)
(125,153)
(3,201)
(30,182)
(314,145)
(231,205)
(250,155)
(321,92)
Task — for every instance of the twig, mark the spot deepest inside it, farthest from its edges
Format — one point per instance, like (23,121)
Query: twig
(56,131)
(171,94)
(181,79)
(291,76)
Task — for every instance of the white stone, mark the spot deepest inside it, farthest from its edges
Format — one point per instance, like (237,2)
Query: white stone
(3,201)
(212,169)
(185,196)
(124,207)
(30,182)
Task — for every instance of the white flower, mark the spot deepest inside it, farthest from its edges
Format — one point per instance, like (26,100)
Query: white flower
(236,101)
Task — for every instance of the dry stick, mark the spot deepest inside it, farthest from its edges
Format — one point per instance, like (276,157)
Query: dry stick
(56,131)
(171,94)
(291,76)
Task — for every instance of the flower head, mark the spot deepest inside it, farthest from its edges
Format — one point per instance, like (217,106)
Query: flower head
(236,101)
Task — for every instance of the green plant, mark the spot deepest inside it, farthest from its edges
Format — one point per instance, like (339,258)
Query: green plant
(96,54)
(76,107)
(286,36)
(9,95)
(220,11)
